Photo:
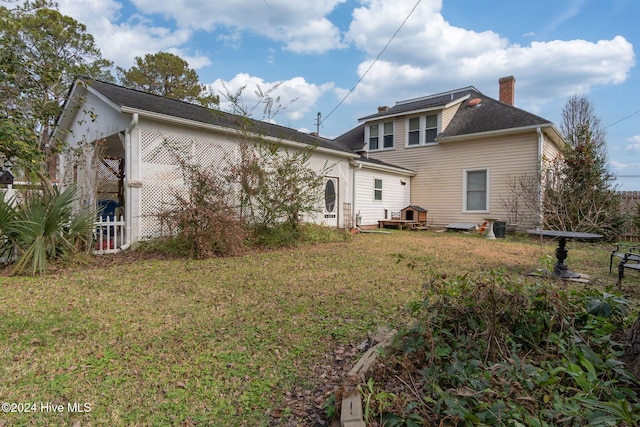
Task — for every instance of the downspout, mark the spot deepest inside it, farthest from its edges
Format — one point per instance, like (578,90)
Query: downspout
(128,168)
(540,171)
(354,215)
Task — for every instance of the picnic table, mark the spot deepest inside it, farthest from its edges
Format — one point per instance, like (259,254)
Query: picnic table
(560,268)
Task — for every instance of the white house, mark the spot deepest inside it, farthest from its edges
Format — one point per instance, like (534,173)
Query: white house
(120,154)
(451,154)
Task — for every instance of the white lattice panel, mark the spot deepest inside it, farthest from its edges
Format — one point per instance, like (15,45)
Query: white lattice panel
(162,176)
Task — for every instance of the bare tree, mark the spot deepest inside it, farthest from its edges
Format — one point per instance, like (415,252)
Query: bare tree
(575,191)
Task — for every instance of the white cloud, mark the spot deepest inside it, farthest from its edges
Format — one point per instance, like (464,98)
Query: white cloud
(623,166)
(431,55)
(121,41)
(232,39)
(634,145)
(297,96)
(300,25)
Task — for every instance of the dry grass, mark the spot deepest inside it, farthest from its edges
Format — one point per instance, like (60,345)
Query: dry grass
(171,342)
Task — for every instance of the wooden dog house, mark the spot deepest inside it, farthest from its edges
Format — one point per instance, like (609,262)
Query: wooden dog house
(414,213)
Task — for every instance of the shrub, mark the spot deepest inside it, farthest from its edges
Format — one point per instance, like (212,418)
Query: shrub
(489,350)
(44,227)
(204,219)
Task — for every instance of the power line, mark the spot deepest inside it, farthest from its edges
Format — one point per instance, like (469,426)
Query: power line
(621,120)
(373,63)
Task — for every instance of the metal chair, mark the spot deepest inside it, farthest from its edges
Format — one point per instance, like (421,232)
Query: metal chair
(621,252)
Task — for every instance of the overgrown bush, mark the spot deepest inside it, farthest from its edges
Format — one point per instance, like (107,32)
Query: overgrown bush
(43,227)
(204,219)
(277,189)
(259,198)
(489,350)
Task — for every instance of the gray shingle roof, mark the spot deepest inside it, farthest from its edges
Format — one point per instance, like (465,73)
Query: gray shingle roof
(489,115)
(125,97)
(436,101)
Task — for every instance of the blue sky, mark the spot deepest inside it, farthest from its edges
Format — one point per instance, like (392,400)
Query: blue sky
(318,50)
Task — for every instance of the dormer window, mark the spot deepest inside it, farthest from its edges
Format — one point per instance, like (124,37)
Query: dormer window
(422,130)
(431,128)
(414,131)
(373,137)
(380,136)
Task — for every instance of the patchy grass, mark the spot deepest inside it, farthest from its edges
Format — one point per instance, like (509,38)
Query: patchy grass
(167,342)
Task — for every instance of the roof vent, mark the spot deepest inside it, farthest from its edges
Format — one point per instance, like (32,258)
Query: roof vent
(475,102)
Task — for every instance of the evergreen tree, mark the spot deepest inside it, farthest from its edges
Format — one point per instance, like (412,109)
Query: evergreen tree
(166,74)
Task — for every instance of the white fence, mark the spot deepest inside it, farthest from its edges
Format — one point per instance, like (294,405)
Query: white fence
(109,235)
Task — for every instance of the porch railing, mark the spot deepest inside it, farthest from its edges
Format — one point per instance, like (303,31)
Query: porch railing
(109,235)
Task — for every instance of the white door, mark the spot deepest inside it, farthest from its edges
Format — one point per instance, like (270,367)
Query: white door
(330,205)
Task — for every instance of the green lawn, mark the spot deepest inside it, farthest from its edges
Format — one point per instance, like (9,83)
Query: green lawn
(220,341)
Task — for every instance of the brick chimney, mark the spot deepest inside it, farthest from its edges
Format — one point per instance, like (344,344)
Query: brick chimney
(383,108)
(507,89)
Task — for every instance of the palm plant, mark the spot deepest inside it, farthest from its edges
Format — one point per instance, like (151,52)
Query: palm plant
(45,227)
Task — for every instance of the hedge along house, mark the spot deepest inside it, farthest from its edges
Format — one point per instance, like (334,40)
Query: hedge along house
(464,148)
(120,154)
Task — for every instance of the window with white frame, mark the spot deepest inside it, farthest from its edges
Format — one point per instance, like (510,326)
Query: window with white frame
(373,137)
(414,131)
(388,135)
(476,190)
(422,130)
(431,128)
(377,189)
(380,136)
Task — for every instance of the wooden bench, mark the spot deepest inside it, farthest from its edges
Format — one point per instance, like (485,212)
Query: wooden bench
(630,260)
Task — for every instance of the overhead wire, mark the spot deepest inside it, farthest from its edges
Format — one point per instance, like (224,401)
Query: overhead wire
(621,120)
(372,63)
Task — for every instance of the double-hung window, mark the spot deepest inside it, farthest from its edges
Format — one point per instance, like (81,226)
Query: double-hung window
(422,130)
(381,136)
(431,128)
(388,135)
(476,190)
(414,131)
(373,138)
(377,189)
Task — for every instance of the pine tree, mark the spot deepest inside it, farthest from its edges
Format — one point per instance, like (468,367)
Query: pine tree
(168,75)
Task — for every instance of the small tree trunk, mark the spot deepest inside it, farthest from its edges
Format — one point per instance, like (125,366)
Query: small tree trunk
(631,356)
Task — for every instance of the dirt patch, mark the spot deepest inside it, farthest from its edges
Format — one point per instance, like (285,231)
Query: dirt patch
(307,405)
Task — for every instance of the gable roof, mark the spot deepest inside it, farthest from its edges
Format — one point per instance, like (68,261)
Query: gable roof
(489,115)
(130,100)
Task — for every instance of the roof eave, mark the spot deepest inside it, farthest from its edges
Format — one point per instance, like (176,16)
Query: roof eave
(384,168)
(413,112)
(498,132)
(404,113)
(231,131)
